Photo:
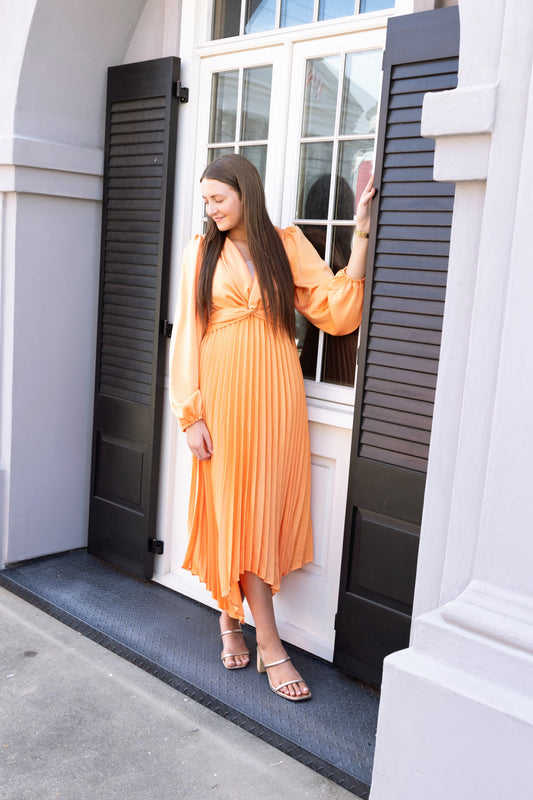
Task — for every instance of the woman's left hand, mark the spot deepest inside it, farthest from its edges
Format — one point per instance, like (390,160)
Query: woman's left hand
(362,217)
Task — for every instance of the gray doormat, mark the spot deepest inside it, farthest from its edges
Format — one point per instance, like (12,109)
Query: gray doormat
(176,639)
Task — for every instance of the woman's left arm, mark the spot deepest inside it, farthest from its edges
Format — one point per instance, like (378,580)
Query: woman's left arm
(356,266)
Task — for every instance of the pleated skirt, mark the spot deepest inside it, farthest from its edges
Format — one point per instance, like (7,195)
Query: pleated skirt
(250,503)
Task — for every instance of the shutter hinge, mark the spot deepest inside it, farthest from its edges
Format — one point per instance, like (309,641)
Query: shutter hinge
(166,328)
(182,93)
(157,546)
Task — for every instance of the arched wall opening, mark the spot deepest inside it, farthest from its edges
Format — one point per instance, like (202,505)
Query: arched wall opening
(50,196)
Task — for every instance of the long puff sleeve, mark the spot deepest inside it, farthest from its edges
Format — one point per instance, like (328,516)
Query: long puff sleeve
(333,303)
(185,395)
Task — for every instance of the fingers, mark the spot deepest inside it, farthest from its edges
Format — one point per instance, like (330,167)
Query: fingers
(199,441)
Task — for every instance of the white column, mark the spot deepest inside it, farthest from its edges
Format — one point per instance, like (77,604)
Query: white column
(456,717)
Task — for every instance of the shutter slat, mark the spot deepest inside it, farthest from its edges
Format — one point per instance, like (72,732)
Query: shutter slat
(399,403)
(417,189)
(410,145)
(424,262)
(410,390)
(404,348)
(410,159)
(403,376)
(397,416)
(405,333)
(390,443)
(446,66)
(434,233)
(397,431)
(396,459)
(411,218)
(143,320)
(410,276)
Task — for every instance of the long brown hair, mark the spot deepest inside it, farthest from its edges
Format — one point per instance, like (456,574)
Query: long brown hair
(266,248)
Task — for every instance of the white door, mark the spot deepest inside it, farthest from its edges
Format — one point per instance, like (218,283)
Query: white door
(302,104)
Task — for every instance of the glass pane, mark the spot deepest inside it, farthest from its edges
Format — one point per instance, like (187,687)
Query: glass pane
(314,178)
(360,92)
(296,12)
(354,169)
(375,5)
(256,103)
(306,333)
(257,154)
(307,345)
(320,100)
(331,9)
(260,16)
(224,106)
(215,152)
(226,18)
(341,246)
(340,353)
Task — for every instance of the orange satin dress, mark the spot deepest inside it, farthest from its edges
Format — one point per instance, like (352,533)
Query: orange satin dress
(250,503)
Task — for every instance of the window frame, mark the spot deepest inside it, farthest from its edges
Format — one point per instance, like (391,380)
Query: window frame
(302,53)
(356,14)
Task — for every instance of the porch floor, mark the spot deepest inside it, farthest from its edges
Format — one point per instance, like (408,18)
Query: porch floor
(176,639)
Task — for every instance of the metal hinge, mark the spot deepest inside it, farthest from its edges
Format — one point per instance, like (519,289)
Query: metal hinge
(157,546)
(182,93)
(166,328)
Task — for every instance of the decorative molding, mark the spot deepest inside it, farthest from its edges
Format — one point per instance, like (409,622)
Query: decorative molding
(469,110)
(50,168)
(495,613)
(461,120)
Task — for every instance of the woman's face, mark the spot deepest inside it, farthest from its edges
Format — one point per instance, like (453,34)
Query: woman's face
(223,204)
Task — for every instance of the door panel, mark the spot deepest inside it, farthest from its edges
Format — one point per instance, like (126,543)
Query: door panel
(399,351)
(136,234)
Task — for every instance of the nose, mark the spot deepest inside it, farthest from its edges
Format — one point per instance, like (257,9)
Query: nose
(209,209)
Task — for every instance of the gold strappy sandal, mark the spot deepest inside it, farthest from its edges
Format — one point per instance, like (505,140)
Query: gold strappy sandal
(262,667)
(232,655)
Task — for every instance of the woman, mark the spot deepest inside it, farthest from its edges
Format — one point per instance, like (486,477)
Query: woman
(237,391)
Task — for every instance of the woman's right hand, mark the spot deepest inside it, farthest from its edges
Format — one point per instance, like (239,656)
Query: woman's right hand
(199,440)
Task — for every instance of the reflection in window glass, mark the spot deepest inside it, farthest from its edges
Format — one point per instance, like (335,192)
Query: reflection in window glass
(257,154)
(224,93)
(375,5)
(296,12)
(320,100)
(260,16)
(256,103)
(306,333)
(360,93)
(314,180)
(306,345)
(354,168)
(332,9)
(336,155)
(226,18)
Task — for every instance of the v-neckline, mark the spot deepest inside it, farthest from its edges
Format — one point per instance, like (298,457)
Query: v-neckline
(244,262)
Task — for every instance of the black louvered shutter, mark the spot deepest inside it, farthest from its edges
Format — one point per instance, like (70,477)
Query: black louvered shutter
(399,351)
(139,163)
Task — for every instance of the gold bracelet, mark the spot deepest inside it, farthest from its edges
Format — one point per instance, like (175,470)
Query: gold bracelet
(361,234)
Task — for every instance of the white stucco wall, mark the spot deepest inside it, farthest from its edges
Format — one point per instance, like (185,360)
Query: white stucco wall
(54,58)
(456,716)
